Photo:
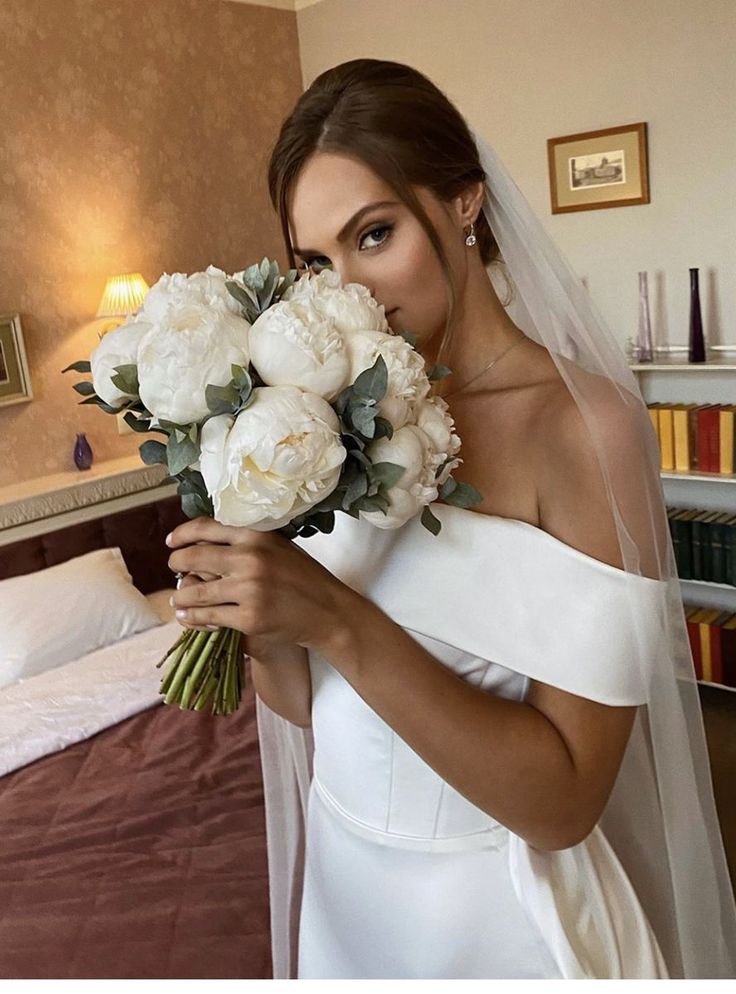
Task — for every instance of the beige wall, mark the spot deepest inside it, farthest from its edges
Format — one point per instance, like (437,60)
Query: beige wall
(522,71)
(134,137)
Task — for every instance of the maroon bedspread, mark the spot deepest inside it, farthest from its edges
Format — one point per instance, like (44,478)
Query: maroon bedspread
(138,853)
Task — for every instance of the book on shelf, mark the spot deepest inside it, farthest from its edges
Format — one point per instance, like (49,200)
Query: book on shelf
(712,636)
(727,437)
(704,544)
(695,437)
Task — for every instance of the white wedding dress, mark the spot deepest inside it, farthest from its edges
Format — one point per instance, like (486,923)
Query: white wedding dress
(403,876)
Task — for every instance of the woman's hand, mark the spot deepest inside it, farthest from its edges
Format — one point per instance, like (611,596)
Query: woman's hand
(265,585)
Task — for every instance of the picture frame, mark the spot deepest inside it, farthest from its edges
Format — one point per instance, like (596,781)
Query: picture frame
(15,380)
(596,169)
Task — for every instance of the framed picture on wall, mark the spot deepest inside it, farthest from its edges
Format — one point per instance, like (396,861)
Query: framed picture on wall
(597,169)
(15,381)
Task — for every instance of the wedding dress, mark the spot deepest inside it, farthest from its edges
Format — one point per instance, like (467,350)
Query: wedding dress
(404,877)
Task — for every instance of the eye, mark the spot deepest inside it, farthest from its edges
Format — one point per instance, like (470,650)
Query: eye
(387,228)
(376,231)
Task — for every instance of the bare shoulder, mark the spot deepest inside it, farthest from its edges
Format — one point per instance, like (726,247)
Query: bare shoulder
(572,494)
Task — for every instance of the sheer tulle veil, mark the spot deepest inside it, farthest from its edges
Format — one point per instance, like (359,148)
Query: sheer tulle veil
(661,818)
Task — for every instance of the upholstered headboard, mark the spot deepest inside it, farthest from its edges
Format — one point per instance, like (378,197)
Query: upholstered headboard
(140,533)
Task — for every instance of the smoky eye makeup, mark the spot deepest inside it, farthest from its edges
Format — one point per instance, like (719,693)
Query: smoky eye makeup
(376,228)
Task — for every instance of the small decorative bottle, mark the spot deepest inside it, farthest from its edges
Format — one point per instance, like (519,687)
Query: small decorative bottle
(645,350)
(83,454)
(696,352)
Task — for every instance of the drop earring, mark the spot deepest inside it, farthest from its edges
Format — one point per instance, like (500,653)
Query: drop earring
(471,239)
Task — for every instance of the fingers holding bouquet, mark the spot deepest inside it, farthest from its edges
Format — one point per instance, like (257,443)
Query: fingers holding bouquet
(260,584)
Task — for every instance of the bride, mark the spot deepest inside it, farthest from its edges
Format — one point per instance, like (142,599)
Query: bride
(483,751)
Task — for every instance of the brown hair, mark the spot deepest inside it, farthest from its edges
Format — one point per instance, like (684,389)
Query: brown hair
(396,121)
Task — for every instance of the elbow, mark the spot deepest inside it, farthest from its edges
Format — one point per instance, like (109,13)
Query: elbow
(569,831)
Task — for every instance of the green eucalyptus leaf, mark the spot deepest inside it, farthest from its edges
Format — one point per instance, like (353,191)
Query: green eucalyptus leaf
(376,503)
(373,382)
(85,388)
(82,366)
(323,522)
(181,453)
(464,496)
(221,400)
(194,507)
(361,457)
(252,277)
(384,428)
(153,453)
(239,293)
(126,378)
(430,522)
(438,372)
(409,337)
(386,473)
(448,487)
(364,420)
(137,424)
(333,502)
(356,489)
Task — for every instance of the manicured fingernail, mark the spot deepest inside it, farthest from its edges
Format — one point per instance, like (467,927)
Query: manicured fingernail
(171,601)
(168,538)
(212,628)
(181,613)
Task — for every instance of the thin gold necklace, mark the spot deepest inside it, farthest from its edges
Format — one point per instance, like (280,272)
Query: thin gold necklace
(486,368)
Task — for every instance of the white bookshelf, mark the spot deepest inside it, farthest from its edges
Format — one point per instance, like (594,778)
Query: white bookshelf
(679,381)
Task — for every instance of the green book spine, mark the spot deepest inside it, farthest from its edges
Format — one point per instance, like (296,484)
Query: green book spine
(729,550)
(718,565)
(706,544)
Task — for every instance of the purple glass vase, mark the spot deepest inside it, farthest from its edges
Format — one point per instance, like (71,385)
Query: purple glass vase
(696,352)
(83,454)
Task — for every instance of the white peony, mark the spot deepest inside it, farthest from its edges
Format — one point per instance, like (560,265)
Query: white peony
(408,383)
(193,345)
(351,307)
(411,448)
(433,417)
(174,290)
(293,344)
(118,347)
(279,457)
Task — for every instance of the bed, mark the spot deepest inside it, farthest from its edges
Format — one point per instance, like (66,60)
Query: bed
(133,832)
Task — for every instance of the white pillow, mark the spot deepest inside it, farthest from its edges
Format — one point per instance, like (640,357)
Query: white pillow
(58,614)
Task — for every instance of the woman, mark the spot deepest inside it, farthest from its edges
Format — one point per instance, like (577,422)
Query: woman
(492,736)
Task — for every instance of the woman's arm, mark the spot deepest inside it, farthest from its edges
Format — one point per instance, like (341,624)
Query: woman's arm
(281,678)
(504,756)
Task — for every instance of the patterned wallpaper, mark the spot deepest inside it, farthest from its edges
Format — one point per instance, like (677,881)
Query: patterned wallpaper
(134,136)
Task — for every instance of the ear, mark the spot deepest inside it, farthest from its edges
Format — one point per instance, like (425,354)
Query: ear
(469,203)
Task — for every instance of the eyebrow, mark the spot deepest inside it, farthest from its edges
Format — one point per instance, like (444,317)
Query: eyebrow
(345,231)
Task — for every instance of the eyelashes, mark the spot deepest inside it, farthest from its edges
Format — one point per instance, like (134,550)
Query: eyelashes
(388,228)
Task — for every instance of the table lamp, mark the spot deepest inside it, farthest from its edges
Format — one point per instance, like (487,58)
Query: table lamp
(122,297)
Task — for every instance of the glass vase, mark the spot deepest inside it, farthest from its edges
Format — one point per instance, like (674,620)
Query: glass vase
(696,346)
(644,334)
(83,454)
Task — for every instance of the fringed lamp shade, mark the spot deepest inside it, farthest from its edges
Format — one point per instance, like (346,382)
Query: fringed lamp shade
(123,295)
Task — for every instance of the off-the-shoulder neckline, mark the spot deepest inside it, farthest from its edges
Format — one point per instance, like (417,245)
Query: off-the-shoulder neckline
(545,536)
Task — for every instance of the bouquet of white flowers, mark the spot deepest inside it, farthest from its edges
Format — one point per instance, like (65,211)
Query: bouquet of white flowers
(282,401)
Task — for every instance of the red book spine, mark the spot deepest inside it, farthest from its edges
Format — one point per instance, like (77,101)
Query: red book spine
(713,432)
(693,633)
(703,447)
(728,656)
(716,646)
